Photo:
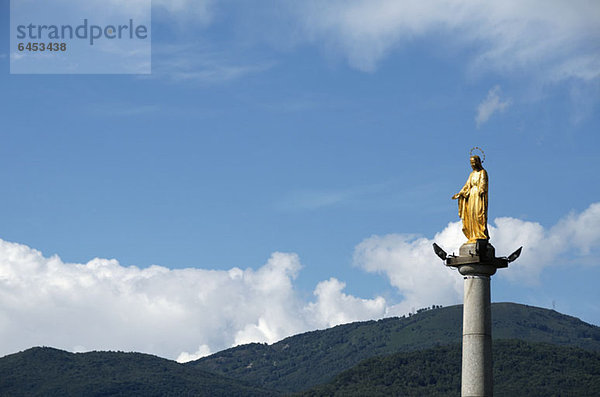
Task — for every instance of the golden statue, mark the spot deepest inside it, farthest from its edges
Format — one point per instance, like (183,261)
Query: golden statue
(473,202)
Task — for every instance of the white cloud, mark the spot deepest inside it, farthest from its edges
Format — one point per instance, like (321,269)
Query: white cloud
(103,305)
(574,239)
(188,313)
(553,38)
(418,274)
(544,41)
(412,268)
(548,39)
(203,351)
(333,307)
(581,230)
(490,105)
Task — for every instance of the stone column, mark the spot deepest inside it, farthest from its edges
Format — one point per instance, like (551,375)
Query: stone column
(477,374)
(477,262)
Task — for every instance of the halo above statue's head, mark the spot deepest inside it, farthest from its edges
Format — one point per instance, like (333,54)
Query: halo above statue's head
(482,153)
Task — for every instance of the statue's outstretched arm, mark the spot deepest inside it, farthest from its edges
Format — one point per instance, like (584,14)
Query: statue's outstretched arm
(464,192)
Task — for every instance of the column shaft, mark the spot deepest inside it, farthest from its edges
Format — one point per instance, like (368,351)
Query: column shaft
(477,338)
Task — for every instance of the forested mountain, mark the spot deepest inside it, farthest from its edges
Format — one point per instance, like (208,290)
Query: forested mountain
(414,355)
(309,359)
(521,369)
(49,372)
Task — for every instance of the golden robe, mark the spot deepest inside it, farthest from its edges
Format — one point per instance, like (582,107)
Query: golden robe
(473,206)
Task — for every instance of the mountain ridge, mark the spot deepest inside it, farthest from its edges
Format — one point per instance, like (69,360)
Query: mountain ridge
(295,364)
(284,365)
(521,369)
(45,371)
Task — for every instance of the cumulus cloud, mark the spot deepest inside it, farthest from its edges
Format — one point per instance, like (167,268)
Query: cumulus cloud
(203,351)
(185,314)
(490,105)
(334,307)
(411,266)
(574,239)
(182,314)
(417,273)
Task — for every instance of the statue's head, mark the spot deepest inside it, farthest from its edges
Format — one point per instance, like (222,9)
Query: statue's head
(476,163)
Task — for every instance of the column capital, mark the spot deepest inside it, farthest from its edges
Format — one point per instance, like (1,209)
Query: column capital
(477,259)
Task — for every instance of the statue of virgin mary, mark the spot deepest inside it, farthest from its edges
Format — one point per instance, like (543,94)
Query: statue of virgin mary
(473,203)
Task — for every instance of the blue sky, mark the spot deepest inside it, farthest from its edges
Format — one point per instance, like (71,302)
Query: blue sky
(333,133)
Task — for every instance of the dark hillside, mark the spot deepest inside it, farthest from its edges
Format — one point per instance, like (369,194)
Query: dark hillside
(521,369)
(49,372)
(424,345)
(309,359)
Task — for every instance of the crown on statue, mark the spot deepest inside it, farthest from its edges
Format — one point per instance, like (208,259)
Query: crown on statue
(480,150)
